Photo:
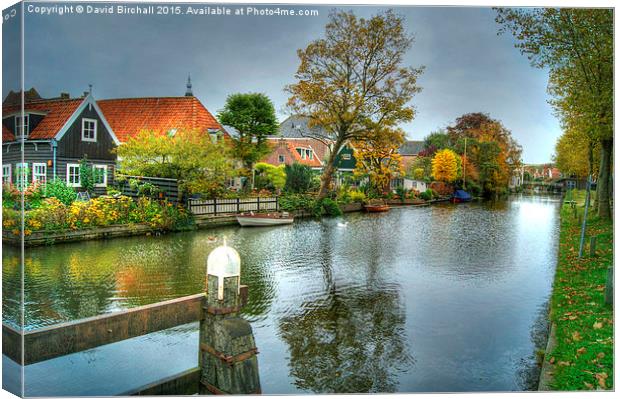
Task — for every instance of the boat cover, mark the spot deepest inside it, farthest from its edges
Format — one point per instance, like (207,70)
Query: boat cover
(462,195)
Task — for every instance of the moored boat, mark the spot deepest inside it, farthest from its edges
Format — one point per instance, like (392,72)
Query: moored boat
(377,206)
(460,196)
(264,219)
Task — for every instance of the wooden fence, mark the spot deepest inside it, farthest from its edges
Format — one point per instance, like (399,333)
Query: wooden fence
(232,205)
(167,189)
(76,336)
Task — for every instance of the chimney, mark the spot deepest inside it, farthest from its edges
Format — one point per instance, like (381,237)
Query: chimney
(65,96)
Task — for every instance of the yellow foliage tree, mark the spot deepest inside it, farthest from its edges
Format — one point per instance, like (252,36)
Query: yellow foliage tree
(445,166)
(378,158)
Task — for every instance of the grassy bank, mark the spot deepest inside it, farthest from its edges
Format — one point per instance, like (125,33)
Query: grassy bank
(583,355)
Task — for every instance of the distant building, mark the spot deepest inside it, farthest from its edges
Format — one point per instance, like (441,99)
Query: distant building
(409,152)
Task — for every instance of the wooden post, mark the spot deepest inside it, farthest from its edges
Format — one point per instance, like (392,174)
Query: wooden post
(592,246)
(258,204)
(215,206)
(227,348)
(238,205)
(609,287)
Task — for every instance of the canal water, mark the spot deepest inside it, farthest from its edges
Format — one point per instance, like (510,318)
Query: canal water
(434,299)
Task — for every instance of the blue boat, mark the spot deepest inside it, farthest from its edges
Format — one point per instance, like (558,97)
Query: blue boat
(461,196)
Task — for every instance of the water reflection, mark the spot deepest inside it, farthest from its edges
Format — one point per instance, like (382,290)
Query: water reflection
(439,298)
(352,341)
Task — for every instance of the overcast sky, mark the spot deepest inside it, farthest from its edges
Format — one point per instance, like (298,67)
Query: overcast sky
(469,68)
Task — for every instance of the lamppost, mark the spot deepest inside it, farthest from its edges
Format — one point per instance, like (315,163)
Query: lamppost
(227,348)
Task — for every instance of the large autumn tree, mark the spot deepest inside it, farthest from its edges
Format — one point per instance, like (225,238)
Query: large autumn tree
(254,117)
(352,82)
(576,46)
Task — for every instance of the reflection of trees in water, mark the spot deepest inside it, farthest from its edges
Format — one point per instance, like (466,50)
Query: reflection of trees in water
(353,340)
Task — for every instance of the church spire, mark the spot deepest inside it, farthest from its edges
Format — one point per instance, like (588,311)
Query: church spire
(188,92)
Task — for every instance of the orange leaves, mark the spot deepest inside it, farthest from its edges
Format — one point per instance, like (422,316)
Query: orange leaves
(576,336)
(601,379)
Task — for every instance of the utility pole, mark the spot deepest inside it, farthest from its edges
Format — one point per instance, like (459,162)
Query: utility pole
(464,161)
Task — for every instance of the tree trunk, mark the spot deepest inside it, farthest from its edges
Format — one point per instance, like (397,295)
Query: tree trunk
(602,188)
(328,172)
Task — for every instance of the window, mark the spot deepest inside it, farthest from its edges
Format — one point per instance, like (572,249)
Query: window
(100,175)
(281,158)
(6,174)
(21,175)
(22,126)
(73,175)
(89,129)
(213,137)
(305,153)
(346,157)
(39,173)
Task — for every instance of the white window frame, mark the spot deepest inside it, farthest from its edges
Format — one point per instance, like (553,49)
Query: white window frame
(69,167)
(5,175)
(94,130)
(36,177)
(22,126)
(346,157)
(18,180)
(281,158)
(309,153)
(105,175)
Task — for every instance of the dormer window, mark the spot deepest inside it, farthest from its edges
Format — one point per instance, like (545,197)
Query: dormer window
(89,129)
(305,153)
(22,126)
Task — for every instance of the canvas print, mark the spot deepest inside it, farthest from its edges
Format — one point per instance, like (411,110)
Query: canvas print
(244,199)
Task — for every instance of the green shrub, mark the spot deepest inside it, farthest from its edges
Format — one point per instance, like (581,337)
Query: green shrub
(357,196)
(298,178)
(58,189)
(296,202)
(427,195)
(87,178)
(327,207)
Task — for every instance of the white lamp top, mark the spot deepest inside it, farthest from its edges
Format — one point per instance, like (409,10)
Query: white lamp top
(224,261)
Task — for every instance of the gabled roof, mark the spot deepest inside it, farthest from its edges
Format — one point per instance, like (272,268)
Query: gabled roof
(57,113)
(129,116)
(15,98)
(290,145)
(411,147)
(296,126)
(7,135)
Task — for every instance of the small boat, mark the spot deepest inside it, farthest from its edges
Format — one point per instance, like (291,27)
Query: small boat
(264,219)
(377,206)
(460,196)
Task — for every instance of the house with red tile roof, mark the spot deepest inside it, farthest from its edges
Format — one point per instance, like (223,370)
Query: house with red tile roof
(130,116)
(288,151)
(57,133)
(54,135)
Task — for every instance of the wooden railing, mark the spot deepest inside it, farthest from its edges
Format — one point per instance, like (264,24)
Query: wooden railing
(76,336)
(232,205)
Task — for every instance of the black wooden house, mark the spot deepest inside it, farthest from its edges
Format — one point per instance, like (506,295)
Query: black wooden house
(54,135)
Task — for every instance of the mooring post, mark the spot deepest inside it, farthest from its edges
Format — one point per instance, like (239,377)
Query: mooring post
(227,348)
(592,246)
